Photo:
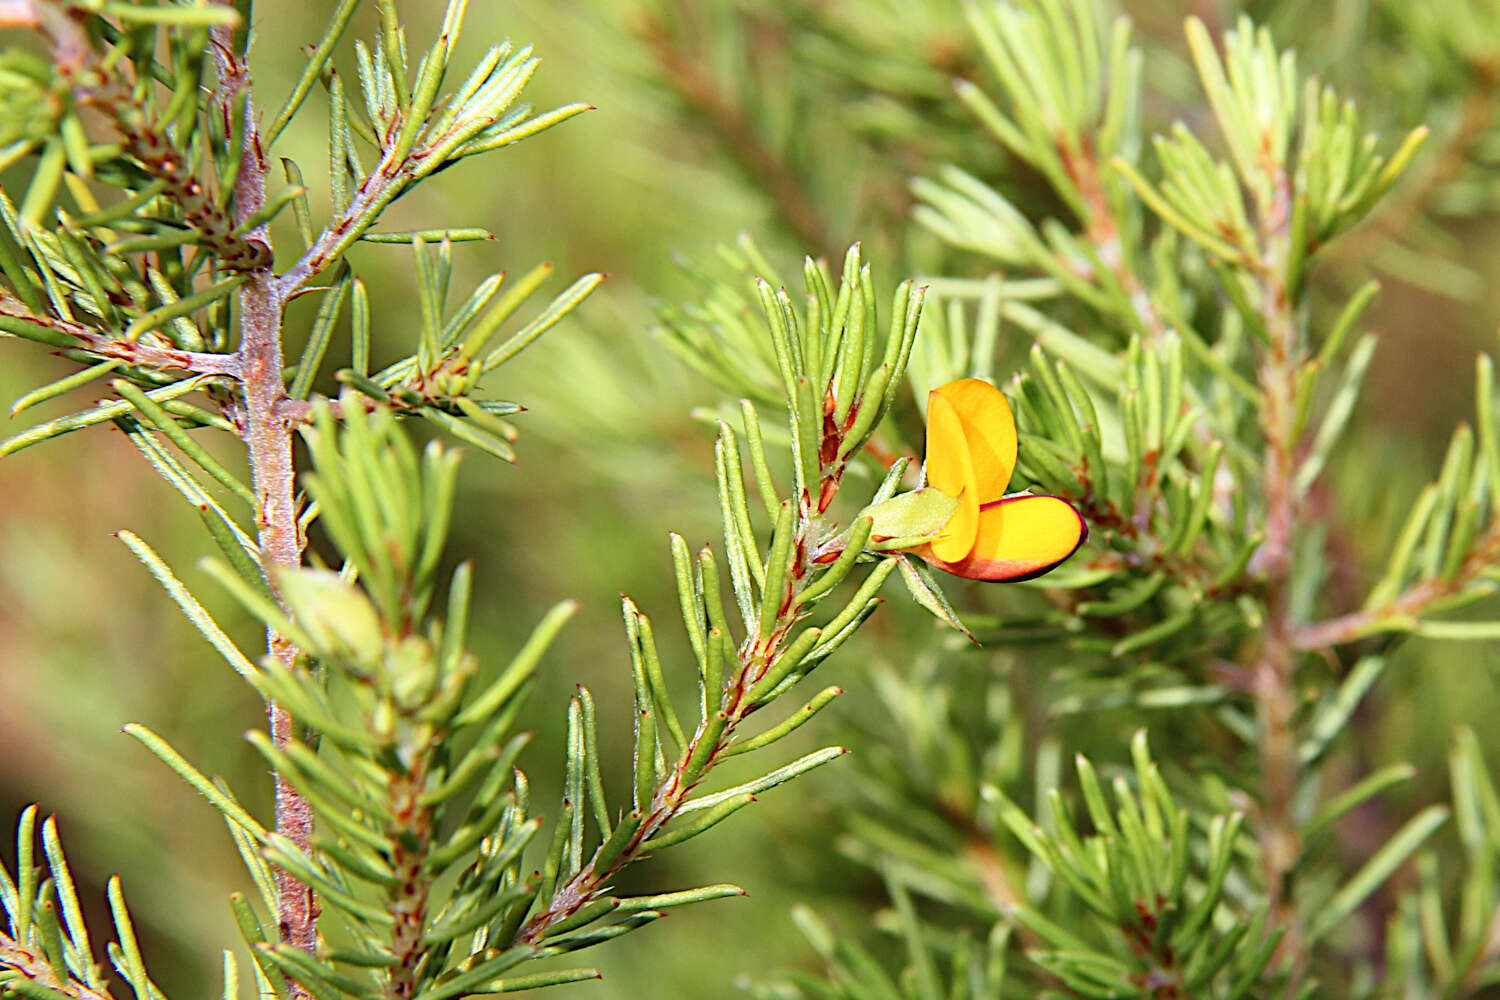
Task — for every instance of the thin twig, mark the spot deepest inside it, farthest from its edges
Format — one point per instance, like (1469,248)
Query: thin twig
(129,351)
(697,88)
(756,657)
(1103,231)
(1407,605)
(374,192)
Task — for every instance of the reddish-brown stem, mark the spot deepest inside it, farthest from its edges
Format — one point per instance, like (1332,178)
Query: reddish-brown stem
(268,439)
(257,363)
(1103,231)
(756,656)
(407,903)
(35,968)
(372,194)
(1273,676)
(1408,604)
(695,85)
(129,351)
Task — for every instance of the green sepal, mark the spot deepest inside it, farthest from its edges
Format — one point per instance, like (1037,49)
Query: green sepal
(920,513)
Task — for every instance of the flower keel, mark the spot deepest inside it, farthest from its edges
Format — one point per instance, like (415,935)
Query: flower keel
(1019,538)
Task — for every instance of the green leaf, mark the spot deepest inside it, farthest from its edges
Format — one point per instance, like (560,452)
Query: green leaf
(548,318)
(919,513)
(80,953)
(220,799)
(790,725)
(39,332)
(63,385)
(1366,789)
(469,433)
(182,307)
(767,781)
(836,572)
(494,697)
(644,655)
(319,58)
(1373,873)
(158,417)
(135,968)
(95,415)
(537,980)
(318,338)
(1340,408)
(715,815)
(183,598)
(174,16)
(1334,713)
(923,587)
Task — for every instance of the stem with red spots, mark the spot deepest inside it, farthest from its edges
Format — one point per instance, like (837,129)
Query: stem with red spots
(407,902)
(757,656)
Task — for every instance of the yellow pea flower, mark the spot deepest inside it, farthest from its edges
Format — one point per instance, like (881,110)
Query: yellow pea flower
(971,452)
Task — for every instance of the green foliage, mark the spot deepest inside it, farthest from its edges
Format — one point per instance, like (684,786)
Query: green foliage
(399,806)
(1175,323)
(1193,453)
(45,945)
(1151,875)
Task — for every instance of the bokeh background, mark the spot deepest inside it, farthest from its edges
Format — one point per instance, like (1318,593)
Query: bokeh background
(800,122)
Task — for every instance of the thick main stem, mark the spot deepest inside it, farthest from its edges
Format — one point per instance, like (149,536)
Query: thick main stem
(268,439)
(1274,672)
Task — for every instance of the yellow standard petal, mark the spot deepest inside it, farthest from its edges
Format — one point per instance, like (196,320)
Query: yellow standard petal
(950,470)
(988,429)
(1018,538)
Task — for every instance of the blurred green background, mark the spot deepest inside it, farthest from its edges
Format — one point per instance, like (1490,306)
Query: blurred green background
(849,99)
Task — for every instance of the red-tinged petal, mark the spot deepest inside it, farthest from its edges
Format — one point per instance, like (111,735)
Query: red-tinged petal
(951,471)
(988,431)
(1019,538)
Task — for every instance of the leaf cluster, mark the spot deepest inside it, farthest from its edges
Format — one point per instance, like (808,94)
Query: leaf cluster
(1185,395)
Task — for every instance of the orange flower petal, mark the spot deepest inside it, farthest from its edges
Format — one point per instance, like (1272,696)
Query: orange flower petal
(1019,538)
(988,431)
(951,471)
